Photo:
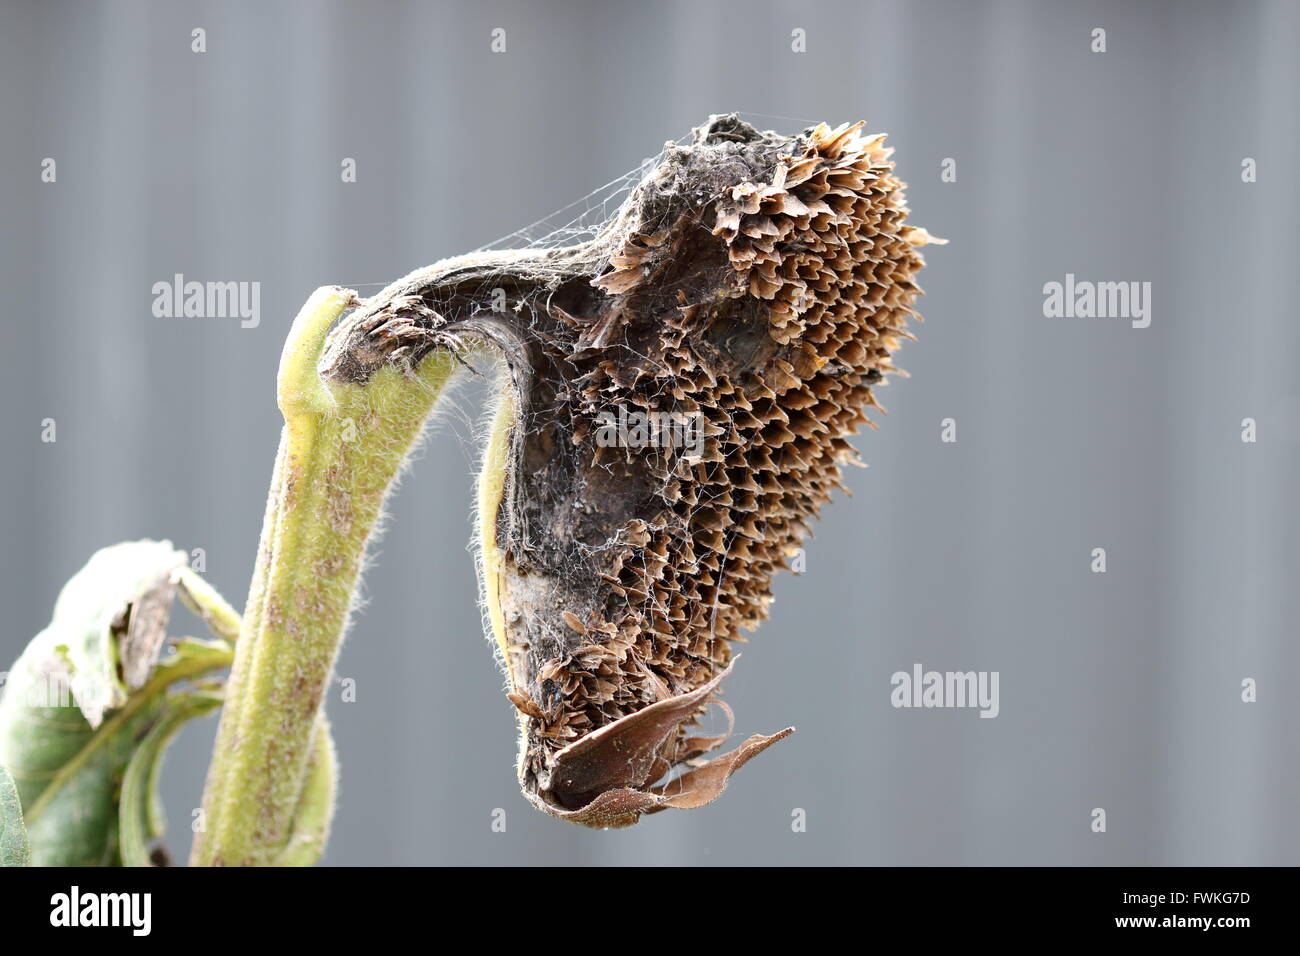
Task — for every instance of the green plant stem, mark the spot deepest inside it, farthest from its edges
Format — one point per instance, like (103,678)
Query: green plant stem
(202,598)
(341,448)
(140,813)
(315,810)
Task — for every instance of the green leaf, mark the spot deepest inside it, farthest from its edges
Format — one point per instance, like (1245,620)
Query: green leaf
(14,850)
(84,694)
(140,812)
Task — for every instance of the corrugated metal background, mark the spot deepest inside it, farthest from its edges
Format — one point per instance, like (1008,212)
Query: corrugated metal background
(1118,690)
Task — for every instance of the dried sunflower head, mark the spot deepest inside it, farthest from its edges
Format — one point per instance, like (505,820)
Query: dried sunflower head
(743,302)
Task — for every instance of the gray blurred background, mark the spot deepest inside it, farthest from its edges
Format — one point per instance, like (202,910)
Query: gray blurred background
(1119,690)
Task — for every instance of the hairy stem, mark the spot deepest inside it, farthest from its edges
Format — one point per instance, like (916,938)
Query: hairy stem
(343,444)
(202,598)
(315,811)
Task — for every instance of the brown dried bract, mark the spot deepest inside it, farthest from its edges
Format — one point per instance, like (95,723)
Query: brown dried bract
(754,284)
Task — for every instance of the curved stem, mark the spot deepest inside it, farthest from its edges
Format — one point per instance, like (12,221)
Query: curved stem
(343,444)
(315,811)
(202,598)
